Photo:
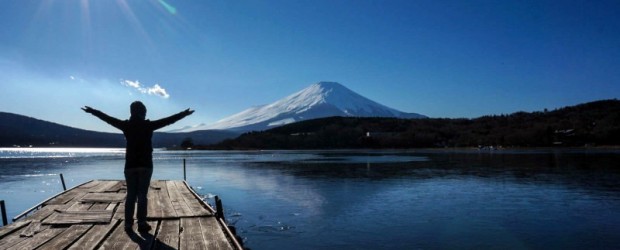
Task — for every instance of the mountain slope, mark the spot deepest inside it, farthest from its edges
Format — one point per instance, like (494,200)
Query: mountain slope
(25,131)
(323,99)
(19,130)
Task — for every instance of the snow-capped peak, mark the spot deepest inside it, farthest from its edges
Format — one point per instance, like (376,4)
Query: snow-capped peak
(344,99)
(319,100)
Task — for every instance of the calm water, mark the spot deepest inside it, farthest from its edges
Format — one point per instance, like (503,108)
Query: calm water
(534,199)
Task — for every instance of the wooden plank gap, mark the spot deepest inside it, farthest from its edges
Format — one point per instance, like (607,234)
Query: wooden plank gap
(213,234)
(168,235)
(191,236)
(10,228)
(67,237)
(40,238)
(95,236)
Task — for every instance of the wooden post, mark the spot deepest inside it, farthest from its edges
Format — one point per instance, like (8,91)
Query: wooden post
(62,179)
(3,208)
(184,172)
(219,208)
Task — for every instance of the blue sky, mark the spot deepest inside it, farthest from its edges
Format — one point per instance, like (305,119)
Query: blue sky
(438,58)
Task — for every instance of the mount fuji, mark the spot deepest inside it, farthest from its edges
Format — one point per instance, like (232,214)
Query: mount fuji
(323,99)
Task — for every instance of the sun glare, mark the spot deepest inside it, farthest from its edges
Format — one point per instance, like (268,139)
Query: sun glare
(133,14)
(133,20)
(168,7)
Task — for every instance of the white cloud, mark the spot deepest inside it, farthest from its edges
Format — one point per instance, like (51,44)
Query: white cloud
(135,84)
(155,90)
(158,90)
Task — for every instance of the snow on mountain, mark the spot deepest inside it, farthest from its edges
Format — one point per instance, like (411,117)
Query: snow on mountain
(323,99)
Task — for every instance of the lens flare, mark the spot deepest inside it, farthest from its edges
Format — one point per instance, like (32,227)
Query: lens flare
(168,7)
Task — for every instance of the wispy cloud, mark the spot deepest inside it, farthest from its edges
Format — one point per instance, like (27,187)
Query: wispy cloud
(134,84)
(154,90)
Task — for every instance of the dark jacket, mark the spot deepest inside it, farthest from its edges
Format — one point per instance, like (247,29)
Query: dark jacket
(138,134)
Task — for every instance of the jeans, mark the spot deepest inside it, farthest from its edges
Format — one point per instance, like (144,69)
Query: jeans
(138,181)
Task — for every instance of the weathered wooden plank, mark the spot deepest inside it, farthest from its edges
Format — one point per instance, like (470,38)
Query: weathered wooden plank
(212,234)
(38,239)
(90,184)
(178,203)
(23,234)
(102,206)
(103,197)
(119,214)
(11,228)
(78,206)
(168,236)
(166,203)
(71,206)
(191,237)
(94,236)
(32,229)
(43,213)
(115,187)
(113,206)
(66,197)
(156,184)
(154,208)
(192,202)
(106,187)
(12,239)
(98,232)
(61,217)
(160,206)
(67,237)
(119,239)
(160,202)
(73,233)
(120,185)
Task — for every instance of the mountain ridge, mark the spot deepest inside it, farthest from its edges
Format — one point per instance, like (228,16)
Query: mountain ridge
(24,131)
(322,99)
(595,123)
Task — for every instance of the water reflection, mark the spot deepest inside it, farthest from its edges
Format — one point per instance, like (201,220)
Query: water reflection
(451,200)
(582,170)
(380,199)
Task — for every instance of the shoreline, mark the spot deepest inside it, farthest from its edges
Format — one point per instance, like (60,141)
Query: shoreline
(491,149)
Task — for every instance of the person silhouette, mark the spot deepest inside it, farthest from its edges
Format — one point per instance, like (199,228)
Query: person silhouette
(138,133)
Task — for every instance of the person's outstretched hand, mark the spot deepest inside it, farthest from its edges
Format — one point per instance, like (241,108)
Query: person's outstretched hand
(188,112)
(88,109)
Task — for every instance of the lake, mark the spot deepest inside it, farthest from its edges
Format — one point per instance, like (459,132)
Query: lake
(375,199)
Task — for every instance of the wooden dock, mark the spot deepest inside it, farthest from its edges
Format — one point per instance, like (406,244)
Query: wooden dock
(90,216)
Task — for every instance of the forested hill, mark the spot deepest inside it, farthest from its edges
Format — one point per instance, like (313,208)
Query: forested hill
(594,123)
(19,130)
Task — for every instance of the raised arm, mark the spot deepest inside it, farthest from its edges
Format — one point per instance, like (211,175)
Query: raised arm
(117,123)
(157,124)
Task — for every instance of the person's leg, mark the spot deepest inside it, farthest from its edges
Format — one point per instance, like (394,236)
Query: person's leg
(130,202)
(143,189)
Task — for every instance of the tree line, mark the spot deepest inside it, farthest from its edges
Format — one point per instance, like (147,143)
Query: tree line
(594,123)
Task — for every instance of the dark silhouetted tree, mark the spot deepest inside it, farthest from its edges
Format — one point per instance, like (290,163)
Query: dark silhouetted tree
(187,143)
